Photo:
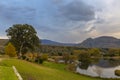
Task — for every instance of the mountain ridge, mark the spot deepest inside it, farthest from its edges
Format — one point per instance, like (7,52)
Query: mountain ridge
(98,42)
(55,43)
(101,42)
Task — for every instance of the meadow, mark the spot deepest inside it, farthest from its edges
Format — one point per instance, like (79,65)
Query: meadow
(46,71)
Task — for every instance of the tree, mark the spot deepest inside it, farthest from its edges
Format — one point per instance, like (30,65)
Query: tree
(23,37)
(84,58)
(113,52)
(66,57)
(10,50)
(94,52)
(84,55)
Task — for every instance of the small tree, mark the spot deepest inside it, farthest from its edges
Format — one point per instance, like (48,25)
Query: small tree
(44,57)
(94,52)
(10,50)
(84,58)
(66,57)
(113,52)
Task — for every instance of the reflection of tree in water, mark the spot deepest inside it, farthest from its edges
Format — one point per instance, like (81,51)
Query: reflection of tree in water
(114,62)
(106,63)
(94,60)
(84,64)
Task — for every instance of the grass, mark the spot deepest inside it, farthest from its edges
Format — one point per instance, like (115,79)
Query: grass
(47,71)
(7,73)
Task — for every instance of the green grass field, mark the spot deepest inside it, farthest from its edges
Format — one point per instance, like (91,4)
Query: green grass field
(46,71)
(7,73)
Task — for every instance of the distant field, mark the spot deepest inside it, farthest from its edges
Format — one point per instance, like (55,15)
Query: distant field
(47,71)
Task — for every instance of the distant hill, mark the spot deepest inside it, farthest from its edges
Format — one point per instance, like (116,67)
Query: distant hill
(3,42)
(43,42)
(49,42)
(101,42)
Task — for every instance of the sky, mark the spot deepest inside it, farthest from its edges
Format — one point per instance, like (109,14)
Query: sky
(68,21)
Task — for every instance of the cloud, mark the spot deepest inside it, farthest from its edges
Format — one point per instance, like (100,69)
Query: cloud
(89,29)
(78,11)
(14,12)
(20,14)
(63,20)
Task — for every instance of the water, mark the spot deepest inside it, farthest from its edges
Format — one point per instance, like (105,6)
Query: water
(104,68)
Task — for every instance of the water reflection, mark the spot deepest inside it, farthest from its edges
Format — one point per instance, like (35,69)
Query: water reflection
(104,68)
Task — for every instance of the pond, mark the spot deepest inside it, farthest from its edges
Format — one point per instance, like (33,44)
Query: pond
(104,68)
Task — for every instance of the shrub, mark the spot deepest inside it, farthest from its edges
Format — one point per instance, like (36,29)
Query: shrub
(39,60)
(117,72)
(44,57)
(71,67)
(27,59)
(10,50)
(66,57)
(24,57)
(83,56)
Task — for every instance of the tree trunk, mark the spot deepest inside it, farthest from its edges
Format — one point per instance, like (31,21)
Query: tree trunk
(20,53)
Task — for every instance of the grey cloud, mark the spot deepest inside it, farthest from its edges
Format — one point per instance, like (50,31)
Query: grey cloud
(78,11)
(46,29)
(99,21)
(17,13)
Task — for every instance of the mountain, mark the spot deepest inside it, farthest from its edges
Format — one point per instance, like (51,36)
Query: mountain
(43,42)
(101,42)
(50,42)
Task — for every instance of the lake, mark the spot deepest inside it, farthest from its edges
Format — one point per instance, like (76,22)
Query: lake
(104,68)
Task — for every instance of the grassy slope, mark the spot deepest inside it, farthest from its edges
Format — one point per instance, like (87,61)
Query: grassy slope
(47,71)
(7,73)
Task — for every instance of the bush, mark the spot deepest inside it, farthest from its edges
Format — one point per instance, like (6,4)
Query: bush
(117,72)
(39,60)
(10,50)
(24,57)
(83,56)
(71,67)
(44,57)
(27,59)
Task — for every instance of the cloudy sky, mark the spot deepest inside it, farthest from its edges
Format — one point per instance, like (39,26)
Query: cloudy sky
(63,20)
